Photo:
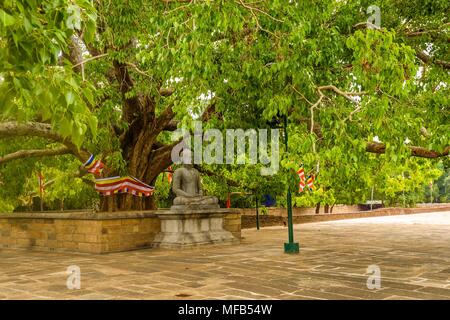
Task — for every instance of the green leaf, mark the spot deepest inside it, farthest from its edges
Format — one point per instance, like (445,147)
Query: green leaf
(89,32)
(73,20)
(89,96)
(70,97)
(93,122)
(46,114)
(65,127)
(6,19)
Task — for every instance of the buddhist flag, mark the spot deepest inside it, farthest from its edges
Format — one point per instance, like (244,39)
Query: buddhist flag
(169,174)
(94,166)
(301,175)
(310,182)
(301,186)
(112,185)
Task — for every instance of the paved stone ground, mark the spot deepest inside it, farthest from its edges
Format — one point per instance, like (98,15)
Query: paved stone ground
(412,251)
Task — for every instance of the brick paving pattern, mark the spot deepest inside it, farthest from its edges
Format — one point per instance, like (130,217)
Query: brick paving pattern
(413,252)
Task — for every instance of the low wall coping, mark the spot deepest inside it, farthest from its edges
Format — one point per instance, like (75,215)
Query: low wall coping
(189,211)
(83,215)
(91,215)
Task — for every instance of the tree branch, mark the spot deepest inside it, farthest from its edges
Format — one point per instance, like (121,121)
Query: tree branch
(425,58)
(132,104)
(74,55)
(34,153)
(164,119)
(366,25)
(89,59)
(347,95)
(13,129)
(159,160)
(37,129)
(419,54)
(172,125)
(210,111)
(166,92)
(380,148)
(247,6)
(434,33)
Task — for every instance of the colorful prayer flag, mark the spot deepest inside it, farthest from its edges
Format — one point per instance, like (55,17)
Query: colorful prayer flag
(129,184)
(169,174)
(301,186)
(94,166)
(301,175)
(310,182)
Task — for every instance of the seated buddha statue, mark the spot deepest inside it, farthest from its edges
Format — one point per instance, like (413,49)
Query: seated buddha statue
(187,185)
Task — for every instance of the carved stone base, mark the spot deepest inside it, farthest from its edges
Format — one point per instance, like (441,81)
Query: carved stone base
(193,207)
(192,227)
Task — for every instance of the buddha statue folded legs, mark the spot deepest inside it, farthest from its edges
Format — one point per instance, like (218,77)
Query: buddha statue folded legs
(202,200)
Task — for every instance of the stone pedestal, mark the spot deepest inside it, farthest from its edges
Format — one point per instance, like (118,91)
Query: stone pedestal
(186,227)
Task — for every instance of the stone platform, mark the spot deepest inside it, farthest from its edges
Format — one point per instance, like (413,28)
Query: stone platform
(412,252)
(105,232)
(192,227)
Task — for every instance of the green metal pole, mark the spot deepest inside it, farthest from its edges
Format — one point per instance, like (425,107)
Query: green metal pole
(257,213)
(291,246)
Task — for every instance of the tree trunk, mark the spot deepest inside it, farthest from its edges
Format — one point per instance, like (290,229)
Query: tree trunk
(317,208)
(145,163)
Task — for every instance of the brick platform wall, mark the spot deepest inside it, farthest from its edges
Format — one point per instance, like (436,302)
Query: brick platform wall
(232,223)
(89,232)
(281,212)
(278,219)
(78,232)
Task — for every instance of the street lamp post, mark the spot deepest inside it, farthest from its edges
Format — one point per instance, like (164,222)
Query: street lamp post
(290,246)
(257,212)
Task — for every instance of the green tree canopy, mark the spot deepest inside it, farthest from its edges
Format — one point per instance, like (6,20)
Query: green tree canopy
(113,78)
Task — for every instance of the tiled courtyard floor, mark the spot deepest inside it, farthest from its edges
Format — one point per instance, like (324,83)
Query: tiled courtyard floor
(413,252)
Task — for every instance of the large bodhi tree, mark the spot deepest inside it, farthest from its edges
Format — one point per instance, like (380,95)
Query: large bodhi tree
(113,77)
